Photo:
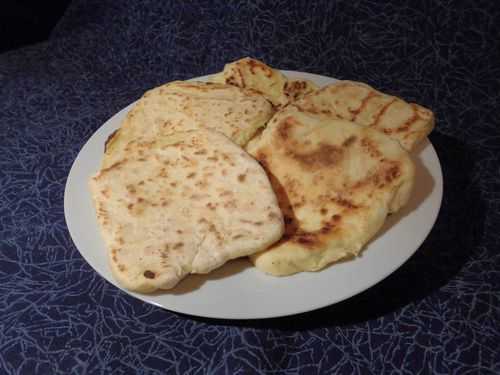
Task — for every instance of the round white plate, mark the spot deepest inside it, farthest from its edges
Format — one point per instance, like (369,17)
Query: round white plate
(239,291)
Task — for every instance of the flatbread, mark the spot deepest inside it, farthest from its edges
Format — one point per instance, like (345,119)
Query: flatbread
(179,106)
(271,83)
(184,203)
(408,123)
(336,182)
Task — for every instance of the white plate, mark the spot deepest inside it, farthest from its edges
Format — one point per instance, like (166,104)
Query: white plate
(239,291)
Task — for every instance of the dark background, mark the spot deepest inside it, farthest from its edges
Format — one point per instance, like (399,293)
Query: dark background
(24,22)
(437,314)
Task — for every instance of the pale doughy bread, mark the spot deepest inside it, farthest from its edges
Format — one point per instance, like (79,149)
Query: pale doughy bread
(336,182)
(184,203)
(180,106)
(408,123)
(254,74)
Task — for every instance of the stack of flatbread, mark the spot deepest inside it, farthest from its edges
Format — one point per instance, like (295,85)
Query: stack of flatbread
(252,164)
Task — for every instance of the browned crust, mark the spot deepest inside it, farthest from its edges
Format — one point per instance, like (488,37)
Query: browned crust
(113,166)
(255,64)
(364,102)
(110,139)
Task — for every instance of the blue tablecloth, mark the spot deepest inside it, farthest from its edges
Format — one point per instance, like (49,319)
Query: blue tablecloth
(439,313)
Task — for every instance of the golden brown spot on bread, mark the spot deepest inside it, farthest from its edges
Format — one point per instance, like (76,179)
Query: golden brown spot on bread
(178,245)
(324,155)
(293,232)
(285,127)
(392,173)
(316,238)
(323,211)
(254,65)
(408,123)
(191,175)
(232,80)
(211,205)
(371,148)
(213,229)
(306,239)
(241,177)
(344,202)
(113,166)
(228,159)
(173,184)
(349,141)
(201,183)
(294,89)
(373,179)
(149,274)
(130,206)
(121,267)
(357,111)
(235,237)
(257,223)
(382,111)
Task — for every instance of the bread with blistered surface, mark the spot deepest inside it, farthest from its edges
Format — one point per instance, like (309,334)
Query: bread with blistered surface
(180,204)
(271,83)
(408,123)
(336,182)
(179,106)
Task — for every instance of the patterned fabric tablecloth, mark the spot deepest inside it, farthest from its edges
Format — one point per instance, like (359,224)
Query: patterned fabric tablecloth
(438,314)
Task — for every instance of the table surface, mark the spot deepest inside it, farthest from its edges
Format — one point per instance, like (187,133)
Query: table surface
(438,314)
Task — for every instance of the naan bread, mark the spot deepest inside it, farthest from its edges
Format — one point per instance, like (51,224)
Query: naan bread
(254,74)
(336,182)
(408,123)
(185,203)
(180,106)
